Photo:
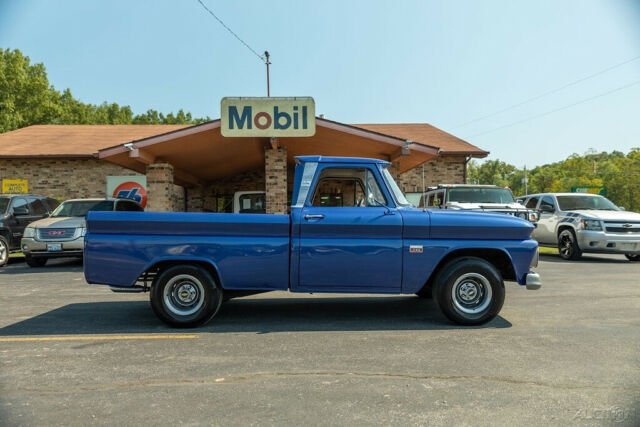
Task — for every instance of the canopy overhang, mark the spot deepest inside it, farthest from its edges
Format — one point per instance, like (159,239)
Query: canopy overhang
(200,154)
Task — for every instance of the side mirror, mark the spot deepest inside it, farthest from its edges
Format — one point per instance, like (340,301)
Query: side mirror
(547,209)
(20,211)
(621,208)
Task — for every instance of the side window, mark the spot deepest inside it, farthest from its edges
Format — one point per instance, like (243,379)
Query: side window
(547,203)
(347,188)
(532,203)
(52,203)
(37,208)
(20,203)
(127,206)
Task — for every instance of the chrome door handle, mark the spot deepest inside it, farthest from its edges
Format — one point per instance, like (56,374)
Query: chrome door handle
(314,216)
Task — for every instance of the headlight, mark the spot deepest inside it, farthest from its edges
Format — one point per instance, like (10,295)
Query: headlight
(591,224)
(533,216)
(83,231)
(29,232)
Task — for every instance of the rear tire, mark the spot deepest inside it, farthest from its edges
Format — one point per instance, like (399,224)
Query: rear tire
(633,257)
(4,251)
(185,296)
(568,245)
(469,291)
(35,261)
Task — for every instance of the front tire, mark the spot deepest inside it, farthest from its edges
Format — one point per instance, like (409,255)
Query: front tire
(35,262)
(185,296)
(4,251)
(633,257)
(469,291)
(568,246)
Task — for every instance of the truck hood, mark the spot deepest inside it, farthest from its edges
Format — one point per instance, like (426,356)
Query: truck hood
(60,222)
(622,216)
(490,206)
(460,224)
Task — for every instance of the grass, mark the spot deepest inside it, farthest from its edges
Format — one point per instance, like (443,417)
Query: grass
(548,250)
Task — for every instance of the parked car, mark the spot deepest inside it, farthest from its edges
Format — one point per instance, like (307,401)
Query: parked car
(578,223)
(249,202)
(16,212)
(62,234)
(486,198)
(350,230)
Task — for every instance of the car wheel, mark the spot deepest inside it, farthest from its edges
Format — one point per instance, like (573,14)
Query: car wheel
(35,261)
(185,296)
(425,292)
(469,291)
(568,246)
(4,251)
(633,257)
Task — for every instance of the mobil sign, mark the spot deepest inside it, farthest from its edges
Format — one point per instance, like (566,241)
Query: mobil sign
(268,117)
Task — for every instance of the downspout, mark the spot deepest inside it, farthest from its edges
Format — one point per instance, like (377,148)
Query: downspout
(464,171)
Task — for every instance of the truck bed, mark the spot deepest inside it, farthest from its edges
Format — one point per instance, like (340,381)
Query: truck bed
(249,251)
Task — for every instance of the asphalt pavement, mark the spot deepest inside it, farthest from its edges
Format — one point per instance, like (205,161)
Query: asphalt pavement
(567,354)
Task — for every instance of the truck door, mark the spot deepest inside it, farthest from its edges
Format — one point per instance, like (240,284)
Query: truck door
(547,224)
(350,233)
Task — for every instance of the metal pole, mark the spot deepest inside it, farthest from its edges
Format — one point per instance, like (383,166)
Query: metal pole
(266,55)
(526,181)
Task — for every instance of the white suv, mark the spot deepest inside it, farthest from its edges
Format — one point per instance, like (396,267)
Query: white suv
(577,223)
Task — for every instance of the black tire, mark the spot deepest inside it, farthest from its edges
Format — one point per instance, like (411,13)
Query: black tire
(426,292)
(568,245)
(633,257)
(469,291)
(185,296)
(35,261)
(4,251)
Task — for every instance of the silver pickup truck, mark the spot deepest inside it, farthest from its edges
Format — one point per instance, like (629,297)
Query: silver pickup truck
(577,223)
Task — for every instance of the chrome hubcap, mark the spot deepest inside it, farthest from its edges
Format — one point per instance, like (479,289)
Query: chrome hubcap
(3,252)
(184,295)
(471,293)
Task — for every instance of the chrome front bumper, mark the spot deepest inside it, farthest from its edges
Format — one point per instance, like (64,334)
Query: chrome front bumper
(533,281)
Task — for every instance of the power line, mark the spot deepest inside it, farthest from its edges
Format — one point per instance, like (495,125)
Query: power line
(262,58)
(575,82)
(556,110)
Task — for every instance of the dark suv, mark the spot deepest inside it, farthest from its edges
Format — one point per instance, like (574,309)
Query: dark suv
(16,211)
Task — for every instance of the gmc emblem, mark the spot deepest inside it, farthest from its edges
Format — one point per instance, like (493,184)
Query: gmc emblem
(56,233)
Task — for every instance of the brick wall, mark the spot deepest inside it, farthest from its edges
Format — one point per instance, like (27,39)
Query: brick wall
(160,194)
(276,179)
(63,178)
(442,170)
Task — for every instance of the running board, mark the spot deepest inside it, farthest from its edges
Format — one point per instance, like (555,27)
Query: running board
(129,290)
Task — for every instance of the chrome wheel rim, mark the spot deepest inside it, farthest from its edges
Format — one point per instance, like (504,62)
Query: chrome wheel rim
(4,253)
(566,245)
(471,293)
(184,295)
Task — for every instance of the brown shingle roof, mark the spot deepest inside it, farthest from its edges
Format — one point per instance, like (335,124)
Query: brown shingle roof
(427,134)
(74,140)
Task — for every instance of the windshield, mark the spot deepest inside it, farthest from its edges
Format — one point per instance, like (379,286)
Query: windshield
(572,203)
(81,207)
(4,203)
(397,193)
(480,195)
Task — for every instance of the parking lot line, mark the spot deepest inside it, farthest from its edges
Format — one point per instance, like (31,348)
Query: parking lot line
(99,338)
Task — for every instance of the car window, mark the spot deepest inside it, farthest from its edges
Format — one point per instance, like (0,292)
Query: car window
(438,198)
(4,204)
(20,202)
(347,187)
(548,201)
(568,203)
(252,203)
(52,203)
(131,206)
(37,208)
(532,203)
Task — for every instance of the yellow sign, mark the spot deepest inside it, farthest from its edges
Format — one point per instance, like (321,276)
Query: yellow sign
(268,117)
(15,186)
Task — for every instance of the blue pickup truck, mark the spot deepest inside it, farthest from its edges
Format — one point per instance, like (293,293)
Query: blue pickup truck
(350,230)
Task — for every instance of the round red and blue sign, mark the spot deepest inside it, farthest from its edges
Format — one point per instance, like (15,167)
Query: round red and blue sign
(131,190)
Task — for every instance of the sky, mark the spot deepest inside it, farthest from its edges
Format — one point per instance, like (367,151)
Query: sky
(447,63)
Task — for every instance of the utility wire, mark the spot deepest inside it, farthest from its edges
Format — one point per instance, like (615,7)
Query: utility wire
(542,95)
(556,110)
(262,58)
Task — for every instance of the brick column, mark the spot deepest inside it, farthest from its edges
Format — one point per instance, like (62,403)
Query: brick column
(275,173)
(160,187)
